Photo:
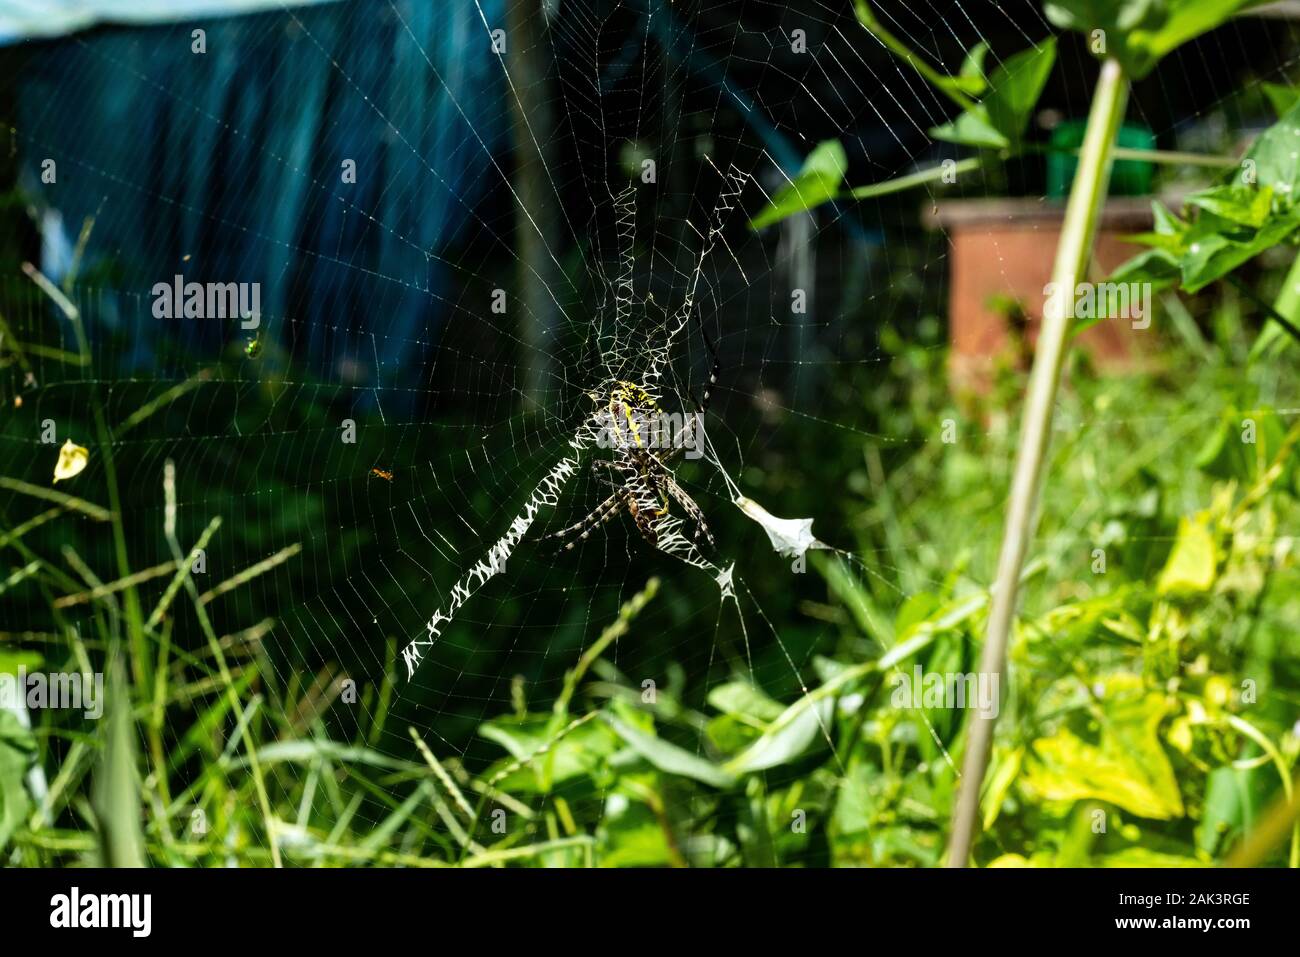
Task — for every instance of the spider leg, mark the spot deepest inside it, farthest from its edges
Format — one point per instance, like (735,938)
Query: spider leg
(703,404)
(598,516)
(638,472)
(651,472)
(693,510)
(609,465)
(688,437)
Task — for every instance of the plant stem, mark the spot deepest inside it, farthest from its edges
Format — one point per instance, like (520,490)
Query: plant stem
(1161,157)
(944,84)
(921,177)
(1175,157)
(1279,820)
(900,183)
(1073,251)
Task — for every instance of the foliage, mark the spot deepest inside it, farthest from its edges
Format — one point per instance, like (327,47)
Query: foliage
(1138,33)
(999,119)
(1155,696)
(995,106)
(1149,721)
(1228,224)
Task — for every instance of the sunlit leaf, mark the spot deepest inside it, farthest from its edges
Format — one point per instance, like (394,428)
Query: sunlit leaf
(1000,118)
(17,752)
(745,700)
(972,80)
(1230,808)
(788,738)
(72,460)
(1145,857)
(818,182)
(577,754)
(1193,561)
(1236,203)
(1128,768)
(1216,247)
(1138,33)
(668,757)
(1281,98)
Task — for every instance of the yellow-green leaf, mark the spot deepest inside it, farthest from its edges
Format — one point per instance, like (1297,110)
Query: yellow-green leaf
(1193,561)
(1128,768)
(818,182)
(72,459)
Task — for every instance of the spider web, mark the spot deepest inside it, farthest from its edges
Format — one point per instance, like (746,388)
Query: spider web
(424,538)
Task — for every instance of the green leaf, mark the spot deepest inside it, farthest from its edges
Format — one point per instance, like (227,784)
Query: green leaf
(787,739)
(1144,857)
(578,754)
(1159,267)
(1166,222)
(973,128)
(11,661)
(1281,98)
(115,794)
(917,609)
(632,836)
(1169,233)
(855,806)
(1128,768)
(1254,210)
(1227,455)
(17,754)
(1003,772)
(972,80)
(1215,247)
(1192,563)
(668,757)
(861,605)
(746,701)
(1229,809)
(1221,455)
(1237,203)
(729,734)
(1138,33)
(1274,159)
(1236,220)
(818,182)
(998,121)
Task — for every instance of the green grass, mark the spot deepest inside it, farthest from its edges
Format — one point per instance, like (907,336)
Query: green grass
(1125,707)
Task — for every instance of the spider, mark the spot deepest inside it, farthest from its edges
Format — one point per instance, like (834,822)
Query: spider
(644,485)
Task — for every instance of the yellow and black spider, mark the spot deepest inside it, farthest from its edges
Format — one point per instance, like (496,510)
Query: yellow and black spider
(644,485)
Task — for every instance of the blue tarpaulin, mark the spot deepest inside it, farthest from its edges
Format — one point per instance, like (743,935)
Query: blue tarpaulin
(28,19)
(229,165)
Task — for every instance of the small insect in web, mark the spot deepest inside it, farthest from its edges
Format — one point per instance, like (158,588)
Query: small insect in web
(384,474)
(254,348)
(640,469)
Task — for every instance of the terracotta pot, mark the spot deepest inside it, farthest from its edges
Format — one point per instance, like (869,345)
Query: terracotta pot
(1002,253)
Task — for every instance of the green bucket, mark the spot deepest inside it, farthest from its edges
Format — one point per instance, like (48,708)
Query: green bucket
(1127,178)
